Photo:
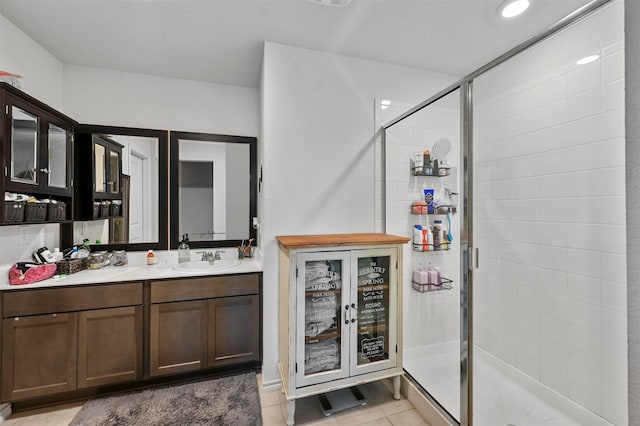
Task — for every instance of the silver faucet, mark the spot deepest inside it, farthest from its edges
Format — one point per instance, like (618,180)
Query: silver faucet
(208,256)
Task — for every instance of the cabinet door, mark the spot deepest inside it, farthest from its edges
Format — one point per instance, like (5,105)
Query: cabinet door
(114,172)
(58,149)
(24,142)
(374,296)
(234,330)
(109,346)
(38,355)
(322,317)
(99,167)
(178,337)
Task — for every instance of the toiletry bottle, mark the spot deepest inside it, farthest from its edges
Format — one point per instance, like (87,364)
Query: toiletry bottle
(429,239)
(417,238)
(426,166)
(437,235)
(184,255)
(151,258)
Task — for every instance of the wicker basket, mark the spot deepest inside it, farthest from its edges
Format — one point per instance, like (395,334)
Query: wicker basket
(14,211)
(70,266)
(57,211)
(35,212)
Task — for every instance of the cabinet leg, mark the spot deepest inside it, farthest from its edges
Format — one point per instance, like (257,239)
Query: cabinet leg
(396,387)
(291,409)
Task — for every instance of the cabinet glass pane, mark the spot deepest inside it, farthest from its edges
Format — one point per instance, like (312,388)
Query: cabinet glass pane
(99,159)
(323,299)
(114,171)
(57,168)
(24,146)
(373,309)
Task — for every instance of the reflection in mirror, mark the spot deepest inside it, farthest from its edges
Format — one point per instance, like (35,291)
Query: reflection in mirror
(213,185)
(140,221)
(24,145)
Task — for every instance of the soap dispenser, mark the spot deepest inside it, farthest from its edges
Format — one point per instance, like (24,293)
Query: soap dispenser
(183,250)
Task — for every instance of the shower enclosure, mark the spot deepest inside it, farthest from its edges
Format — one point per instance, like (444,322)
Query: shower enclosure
(531,329)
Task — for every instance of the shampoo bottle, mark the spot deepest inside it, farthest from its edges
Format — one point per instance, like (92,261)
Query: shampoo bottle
(417,238)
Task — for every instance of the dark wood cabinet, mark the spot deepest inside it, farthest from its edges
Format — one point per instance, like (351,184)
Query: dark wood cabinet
(37,157)
(109,346)
(208,322)
(178,337)
(38,355)
(234,330)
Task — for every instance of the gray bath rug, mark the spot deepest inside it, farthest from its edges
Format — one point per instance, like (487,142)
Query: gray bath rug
(232,400)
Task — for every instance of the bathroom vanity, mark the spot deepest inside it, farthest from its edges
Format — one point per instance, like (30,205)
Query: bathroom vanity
(119,328)
(340,317)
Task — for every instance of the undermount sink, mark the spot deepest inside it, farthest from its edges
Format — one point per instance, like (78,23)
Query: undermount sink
(204,266)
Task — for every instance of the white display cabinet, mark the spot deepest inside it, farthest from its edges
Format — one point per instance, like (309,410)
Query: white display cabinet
(339,316)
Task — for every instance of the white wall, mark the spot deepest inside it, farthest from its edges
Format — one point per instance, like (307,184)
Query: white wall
(318,151)
(549,214)
(116,98)
(41,72)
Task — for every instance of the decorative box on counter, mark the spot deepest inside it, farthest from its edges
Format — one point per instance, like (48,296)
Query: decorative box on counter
(71,266)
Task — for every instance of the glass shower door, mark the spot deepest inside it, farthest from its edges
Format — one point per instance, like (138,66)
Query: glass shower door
(431,276)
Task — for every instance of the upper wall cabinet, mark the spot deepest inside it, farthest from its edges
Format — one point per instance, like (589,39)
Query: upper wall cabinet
(37,143)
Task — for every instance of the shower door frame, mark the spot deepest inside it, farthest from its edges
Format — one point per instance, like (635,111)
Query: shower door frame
(469,257)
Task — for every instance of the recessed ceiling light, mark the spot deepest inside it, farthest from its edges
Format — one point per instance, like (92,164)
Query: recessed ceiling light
(587,59)
(385,103)
(512,8)
(339,3)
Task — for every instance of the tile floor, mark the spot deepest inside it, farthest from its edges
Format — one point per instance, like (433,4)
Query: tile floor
(381,410)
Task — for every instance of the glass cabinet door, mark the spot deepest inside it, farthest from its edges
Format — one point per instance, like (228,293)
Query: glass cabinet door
(322,317)
(114,172)
(375,299)
(24,146)
(99,167)
(57,150)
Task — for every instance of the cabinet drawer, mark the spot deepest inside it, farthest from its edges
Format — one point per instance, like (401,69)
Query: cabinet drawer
(204,288)
(68,299)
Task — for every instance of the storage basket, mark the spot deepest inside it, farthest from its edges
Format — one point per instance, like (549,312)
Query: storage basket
(14,211)
(96,209)
(57,211)
(71,266)
(104,210)
(114,210)
(35,212)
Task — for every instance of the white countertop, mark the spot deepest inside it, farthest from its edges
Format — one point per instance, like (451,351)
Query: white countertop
(137,270)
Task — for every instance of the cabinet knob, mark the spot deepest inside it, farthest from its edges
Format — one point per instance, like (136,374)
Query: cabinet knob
(45,170)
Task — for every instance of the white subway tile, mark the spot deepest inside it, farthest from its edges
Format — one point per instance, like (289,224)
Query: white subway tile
(585,130)
(614,296)
(554,258)
(614,267)
(614,327)
(614,395)
(553,316)
(554,365)
(613,95)
(584,236)
(585,342)
(585,381)
(613,124)
(529,354)
(584,315)
(554,113)
(584,104)
(613,238)
(554,89)
(584,289)
(529,121)
(583,78)
(553,282)
(552,162)
(553,233)
(612,67)
(584,262)
(528,98)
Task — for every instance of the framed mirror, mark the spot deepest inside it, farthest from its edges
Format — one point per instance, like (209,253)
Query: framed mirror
(134,165)
(213,189)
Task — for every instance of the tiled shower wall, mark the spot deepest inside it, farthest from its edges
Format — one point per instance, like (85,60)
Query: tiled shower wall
(432,317)
(549,214)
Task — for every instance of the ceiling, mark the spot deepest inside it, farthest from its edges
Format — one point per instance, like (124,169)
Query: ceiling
(221,41)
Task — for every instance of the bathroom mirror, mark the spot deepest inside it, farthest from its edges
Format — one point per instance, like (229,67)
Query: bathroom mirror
(141,221)
(213,189)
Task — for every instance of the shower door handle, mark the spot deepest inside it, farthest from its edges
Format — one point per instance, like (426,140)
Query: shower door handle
(473,258)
